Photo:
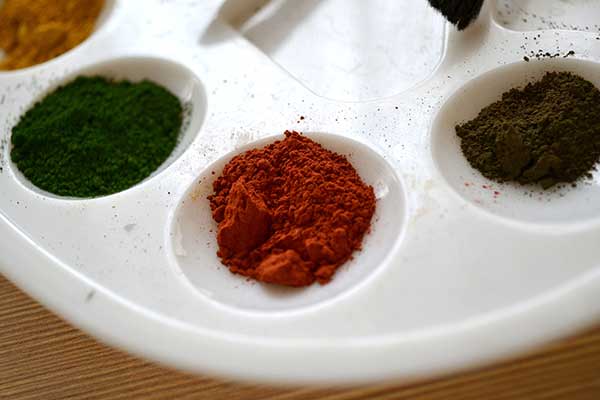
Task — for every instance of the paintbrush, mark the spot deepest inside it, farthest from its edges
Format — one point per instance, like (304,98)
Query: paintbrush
(459,12)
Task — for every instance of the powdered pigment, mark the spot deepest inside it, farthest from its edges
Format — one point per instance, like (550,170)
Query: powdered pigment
(545,133)
(290,213)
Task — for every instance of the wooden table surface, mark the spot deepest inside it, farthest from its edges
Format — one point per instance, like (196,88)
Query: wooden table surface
(41,357)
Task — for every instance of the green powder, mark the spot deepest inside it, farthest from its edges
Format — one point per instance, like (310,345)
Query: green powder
(93,136)
(545,133)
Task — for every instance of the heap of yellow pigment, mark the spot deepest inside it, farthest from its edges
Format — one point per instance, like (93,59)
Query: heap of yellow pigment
(35,31)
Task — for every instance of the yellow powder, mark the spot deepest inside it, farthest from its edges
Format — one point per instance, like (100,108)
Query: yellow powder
(35,31)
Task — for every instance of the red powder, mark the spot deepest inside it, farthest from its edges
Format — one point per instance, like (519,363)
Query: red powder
(290,213)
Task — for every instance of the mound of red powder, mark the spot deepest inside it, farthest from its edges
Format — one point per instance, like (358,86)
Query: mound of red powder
(290,213)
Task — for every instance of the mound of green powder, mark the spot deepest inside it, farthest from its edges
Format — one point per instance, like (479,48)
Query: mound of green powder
(94,137)
(545,133)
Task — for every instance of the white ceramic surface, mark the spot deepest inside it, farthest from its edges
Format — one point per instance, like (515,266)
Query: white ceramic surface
(449,278)
(366,49)
(527,15)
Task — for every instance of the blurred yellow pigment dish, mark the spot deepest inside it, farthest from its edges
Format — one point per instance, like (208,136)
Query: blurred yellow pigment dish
(35,31)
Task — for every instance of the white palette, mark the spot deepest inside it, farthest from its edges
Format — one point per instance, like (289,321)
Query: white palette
(452,276)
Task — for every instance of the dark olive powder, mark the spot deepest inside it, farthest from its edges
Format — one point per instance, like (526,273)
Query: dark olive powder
(93,136)
(545,133)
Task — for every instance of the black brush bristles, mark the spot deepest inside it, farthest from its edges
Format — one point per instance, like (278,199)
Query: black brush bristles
(459,12)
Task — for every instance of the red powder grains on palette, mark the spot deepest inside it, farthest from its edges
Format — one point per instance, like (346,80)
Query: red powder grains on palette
(290,213)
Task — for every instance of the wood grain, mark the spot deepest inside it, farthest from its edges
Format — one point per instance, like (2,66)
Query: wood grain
(41,357)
